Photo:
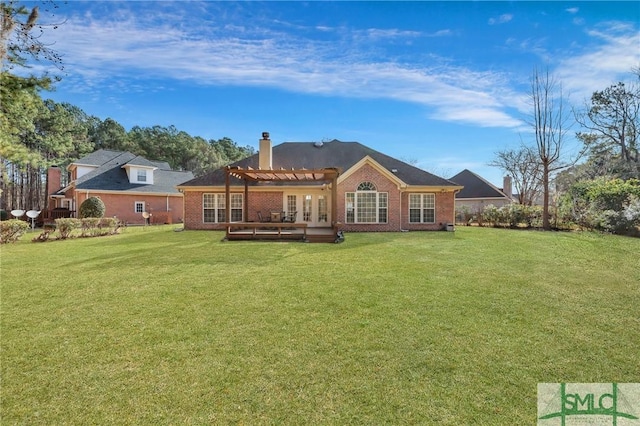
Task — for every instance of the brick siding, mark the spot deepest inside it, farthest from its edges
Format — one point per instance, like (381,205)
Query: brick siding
(122,206)
(398,205)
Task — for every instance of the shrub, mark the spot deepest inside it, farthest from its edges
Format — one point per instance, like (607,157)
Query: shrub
(93,226)
(112,225)
(624,222)
(491,215)
(92,207)
(608,205)
(463,215)
(11,230)
(44,236)
(511,215)
(66,225)
(89,226)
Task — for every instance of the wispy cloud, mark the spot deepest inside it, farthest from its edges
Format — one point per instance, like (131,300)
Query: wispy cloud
(615,55)
(502,19)
(572,10)
(322,60)
(98,51)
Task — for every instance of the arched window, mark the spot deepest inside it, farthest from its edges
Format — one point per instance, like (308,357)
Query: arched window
(366,204)
(366,186)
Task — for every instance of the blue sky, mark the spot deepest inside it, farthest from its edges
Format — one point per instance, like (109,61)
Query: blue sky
(440,84)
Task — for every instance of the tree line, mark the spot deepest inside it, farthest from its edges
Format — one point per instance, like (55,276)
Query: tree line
(36,133)
(600,187)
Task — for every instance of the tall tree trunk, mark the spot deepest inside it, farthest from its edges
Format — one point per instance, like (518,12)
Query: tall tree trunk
(545,197)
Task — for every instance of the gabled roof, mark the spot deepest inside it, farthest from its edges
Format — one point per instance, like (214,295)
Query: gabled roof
(140,161)
(334,154)
(110,176)
(475,186)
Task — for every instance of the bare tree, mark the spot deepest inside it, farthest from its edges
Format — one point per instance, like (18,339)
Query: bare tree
(550,124)
(523,166)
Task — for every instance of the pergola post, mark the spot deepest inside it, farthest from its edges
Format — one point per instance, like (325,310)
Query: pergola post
(334,201)
(282,175)
(245,202)
(227,197)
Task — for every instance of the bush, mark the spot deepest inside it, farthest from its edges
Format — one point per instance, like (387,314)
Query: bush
(511,215)
(44,236)
(89,226)
(11,230)
(91,207)
(609,205)
(491,215)
(66,225)
(112,225)
(93,226)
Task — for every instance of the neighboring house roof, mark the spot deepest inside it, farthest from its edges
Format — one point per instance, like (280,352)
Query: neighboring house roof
(475,186)
(111,176)
(341,155)
(140,161)
(99,157)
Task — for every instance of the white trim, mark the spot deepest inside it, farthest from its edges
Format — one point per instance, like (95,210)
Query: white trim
(373,163)
(216,208)
(136,204)
(422,208)
(355,207)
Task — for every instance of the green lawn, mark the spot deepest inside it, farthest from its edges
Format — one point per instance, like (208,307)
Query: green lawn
(160,327)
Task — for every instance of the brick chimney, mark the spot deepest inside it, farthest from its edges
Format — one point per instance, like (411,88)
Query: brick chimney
(265,153)
(506,186)
(54,181)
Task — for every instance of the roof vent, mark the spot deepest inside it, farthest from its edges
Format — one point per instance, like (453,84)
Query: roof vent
(318,144)
(394,170)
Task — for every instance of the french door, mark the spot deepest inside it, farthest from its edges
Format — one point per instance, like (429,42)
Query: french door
(313,208)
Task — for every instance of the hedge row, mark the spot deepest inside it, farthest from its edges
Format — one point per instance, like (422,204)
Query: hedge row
(11,230)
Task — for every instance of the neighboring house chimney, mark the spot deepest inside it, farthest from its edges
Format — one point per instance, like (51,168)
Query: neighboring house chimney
(506,187)
(54,181)
(264,155)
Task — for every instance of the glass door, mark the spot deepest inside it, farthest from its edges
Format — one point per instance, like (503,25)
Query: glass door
(311,208)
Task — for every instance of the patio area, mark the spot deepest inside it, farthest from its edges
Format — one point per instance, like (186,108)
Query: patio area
(282,229)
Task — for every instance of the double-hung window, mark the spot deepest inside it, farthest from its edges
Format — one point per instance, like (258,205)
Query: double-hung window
(422,208)
(214,208)
(142,175)
(366,205)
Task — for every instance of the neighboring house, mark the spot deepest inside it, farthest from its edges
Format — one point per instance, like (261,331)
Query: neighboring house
(372,191)
(129,186)
(479,193)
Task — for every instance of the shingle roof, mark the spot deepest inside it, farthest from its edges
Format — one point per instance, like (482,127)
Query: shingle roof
(141,161)
(475,186)
(342,155)
(101,156)
(110,176)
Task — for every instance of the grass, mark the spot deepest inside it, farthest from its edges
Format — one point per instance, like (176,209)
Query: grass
(162,327)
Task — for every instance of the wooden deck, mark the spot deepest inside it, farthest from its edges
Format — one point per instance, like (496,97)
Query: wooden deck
(279,231)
